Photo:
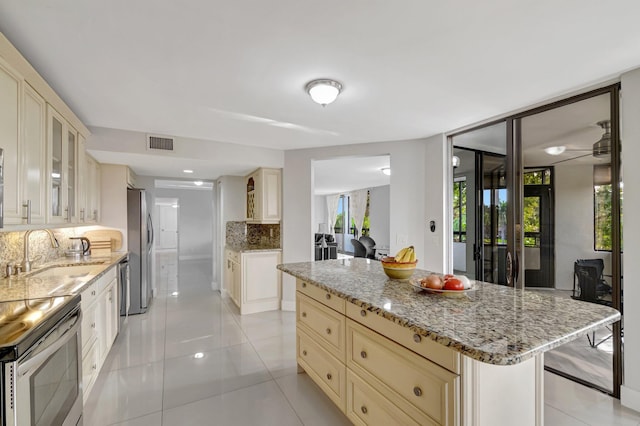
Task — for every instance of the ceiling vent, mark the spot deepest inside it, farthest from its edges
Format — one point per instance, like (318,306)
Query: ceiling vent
(159,143)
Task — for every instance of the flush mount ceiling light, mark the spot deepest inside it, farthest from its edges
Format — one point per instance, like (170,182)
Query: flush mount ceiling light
(386,171)
(187,171)
(555,150)
(323,91)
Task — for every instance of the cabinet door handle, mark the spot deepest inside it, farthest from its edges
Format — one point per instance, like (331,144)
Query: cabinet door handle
(417,338)
(363,313)
(417,391)
(93,292)
(328,331)
(304,315)
(329,376)
(93,325)
(304,285)
(363,409)
(82,214)
(27,206)
(328,296)
(363,354)
(304,353)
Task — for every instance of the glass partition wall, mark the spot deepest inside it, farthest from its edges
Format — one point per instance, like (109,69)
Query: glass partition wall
(537,201)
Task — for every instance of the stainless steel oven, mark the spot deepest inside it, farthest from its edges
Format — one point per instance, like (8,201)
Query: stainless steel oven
(42,386)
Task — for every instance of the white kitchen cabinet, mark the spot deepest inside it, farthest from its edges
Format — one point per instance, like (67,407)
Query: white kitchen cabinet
(263,196)
(88,185)
(99,325)
(62,169)
(252,280)
(10,84)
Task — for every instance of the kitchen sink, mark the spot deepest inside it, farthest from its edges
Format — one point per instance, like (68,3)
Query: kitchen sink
(67,271)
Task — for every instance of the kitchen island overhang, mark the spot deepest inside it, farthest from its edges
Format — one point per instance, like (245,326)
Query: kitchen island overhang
(500,333)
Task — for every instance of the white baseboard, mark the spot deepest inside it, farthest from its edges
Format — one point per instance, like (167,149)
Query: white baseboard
(630,398)
(288,305)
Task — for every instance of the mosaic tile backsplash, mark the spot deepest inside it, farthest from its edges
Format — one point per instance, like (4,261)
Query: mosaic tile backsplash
(12,245)
(243,233)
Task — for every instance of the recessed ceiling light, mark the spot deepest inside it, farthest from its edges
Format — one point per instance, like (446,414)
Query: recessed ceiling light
(386,170)
(175,293)
(197,182)
(198,355)
(187,171)
(323,91)
(555,150)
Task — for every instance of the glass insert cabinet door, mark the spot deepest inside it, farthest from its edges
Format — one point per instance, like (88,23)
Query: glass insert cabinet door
(56,171)
(62,172)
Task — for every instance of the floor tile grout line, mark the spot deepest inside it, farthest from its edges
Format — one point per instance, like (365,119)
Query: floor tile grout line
(289,401)
(569,415)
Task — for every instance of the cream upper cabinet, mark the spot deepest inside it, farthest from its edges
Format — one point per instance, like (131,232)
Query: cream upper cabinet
(10,83)
(62,172)
(89,183)
(34,156)
(22,130)
(263,196)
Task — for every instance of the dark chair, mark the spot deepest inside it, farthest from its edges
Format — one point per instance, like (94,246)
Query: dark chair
(370,245)
(359,250)
(592,286)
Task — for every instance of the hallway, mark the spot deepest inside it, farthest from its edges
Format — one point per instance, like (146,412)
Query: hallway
(192,360)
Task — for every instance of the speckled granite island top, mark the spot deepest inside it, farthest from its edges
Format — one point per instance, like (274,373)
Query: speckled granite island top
(493,324)
(37,284)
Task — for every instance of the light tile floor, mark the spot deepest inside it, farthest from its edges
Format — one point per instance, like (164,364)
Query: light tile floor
(193,360)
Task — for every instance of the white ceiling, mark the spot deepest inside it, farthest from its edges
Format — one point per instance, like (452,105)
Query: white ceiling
(235,71)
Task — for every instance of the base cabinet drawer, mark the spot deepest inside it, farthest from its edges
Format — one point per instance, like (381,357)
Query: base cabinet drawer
(89,370)
(403,376)
(328,372)
(88,326)
(366,406)
(324,325)
(331,300)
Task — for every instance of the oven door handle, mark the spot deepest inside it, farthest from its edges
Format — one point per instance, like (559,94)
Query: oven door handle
(36,359)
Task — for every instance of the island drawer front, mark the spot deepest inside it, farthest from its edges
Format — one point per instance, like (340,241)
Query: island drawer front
(434,351)
(331,300)
(366,406)
(325,325)
(393,369)
(323,368)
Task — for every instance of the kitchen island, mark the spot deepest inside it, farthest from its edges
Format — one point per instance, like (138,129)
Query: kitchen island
(384,351)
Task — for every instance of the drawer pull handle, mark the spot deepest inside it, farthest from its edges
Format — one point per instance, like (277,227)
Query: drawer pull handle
(304,285)
(304,353)
(363,409)
(304,315)
(363,313)
(417,391)
(363,354)
(93,292)
(328,331)
(329,376)
(93,325)
(328,296)
(417,338)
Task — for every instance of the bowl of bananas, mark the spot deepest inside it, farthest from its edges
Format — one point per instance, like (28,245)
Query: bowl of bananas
(401,266)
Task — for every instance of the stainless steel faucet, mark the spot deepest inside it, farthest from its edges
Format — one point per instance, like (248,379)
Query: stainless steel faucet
(26,263)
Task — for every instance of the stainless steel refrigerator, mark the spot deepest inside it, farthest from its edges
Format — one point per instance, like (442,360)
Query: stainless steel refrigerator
(140,241)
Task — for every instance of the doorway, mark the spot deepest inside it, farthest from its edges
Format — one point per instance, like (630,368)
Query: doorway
(167,212)
(562,187)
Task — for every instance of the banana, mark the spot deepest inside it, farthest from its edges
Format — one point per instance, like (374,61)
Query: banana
(406,255)
(401,254)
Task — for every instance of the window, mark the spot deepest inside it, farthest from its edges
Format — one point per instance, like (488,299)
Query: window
(531,214)
(602,217)
(344,217)
(460,210)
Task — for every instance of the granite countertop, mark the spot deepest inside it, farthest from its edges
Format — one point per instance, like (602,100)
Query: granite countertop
(493,324)
(38,284)
(247,247)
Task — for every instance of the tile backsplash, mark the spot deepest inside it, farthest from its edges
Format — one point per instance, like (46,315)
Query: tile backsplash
(12,245)
(241,233)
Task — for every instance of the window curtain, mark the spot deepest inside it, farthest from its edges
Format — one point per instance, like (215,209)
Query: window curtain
(332,211)
(358,207)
